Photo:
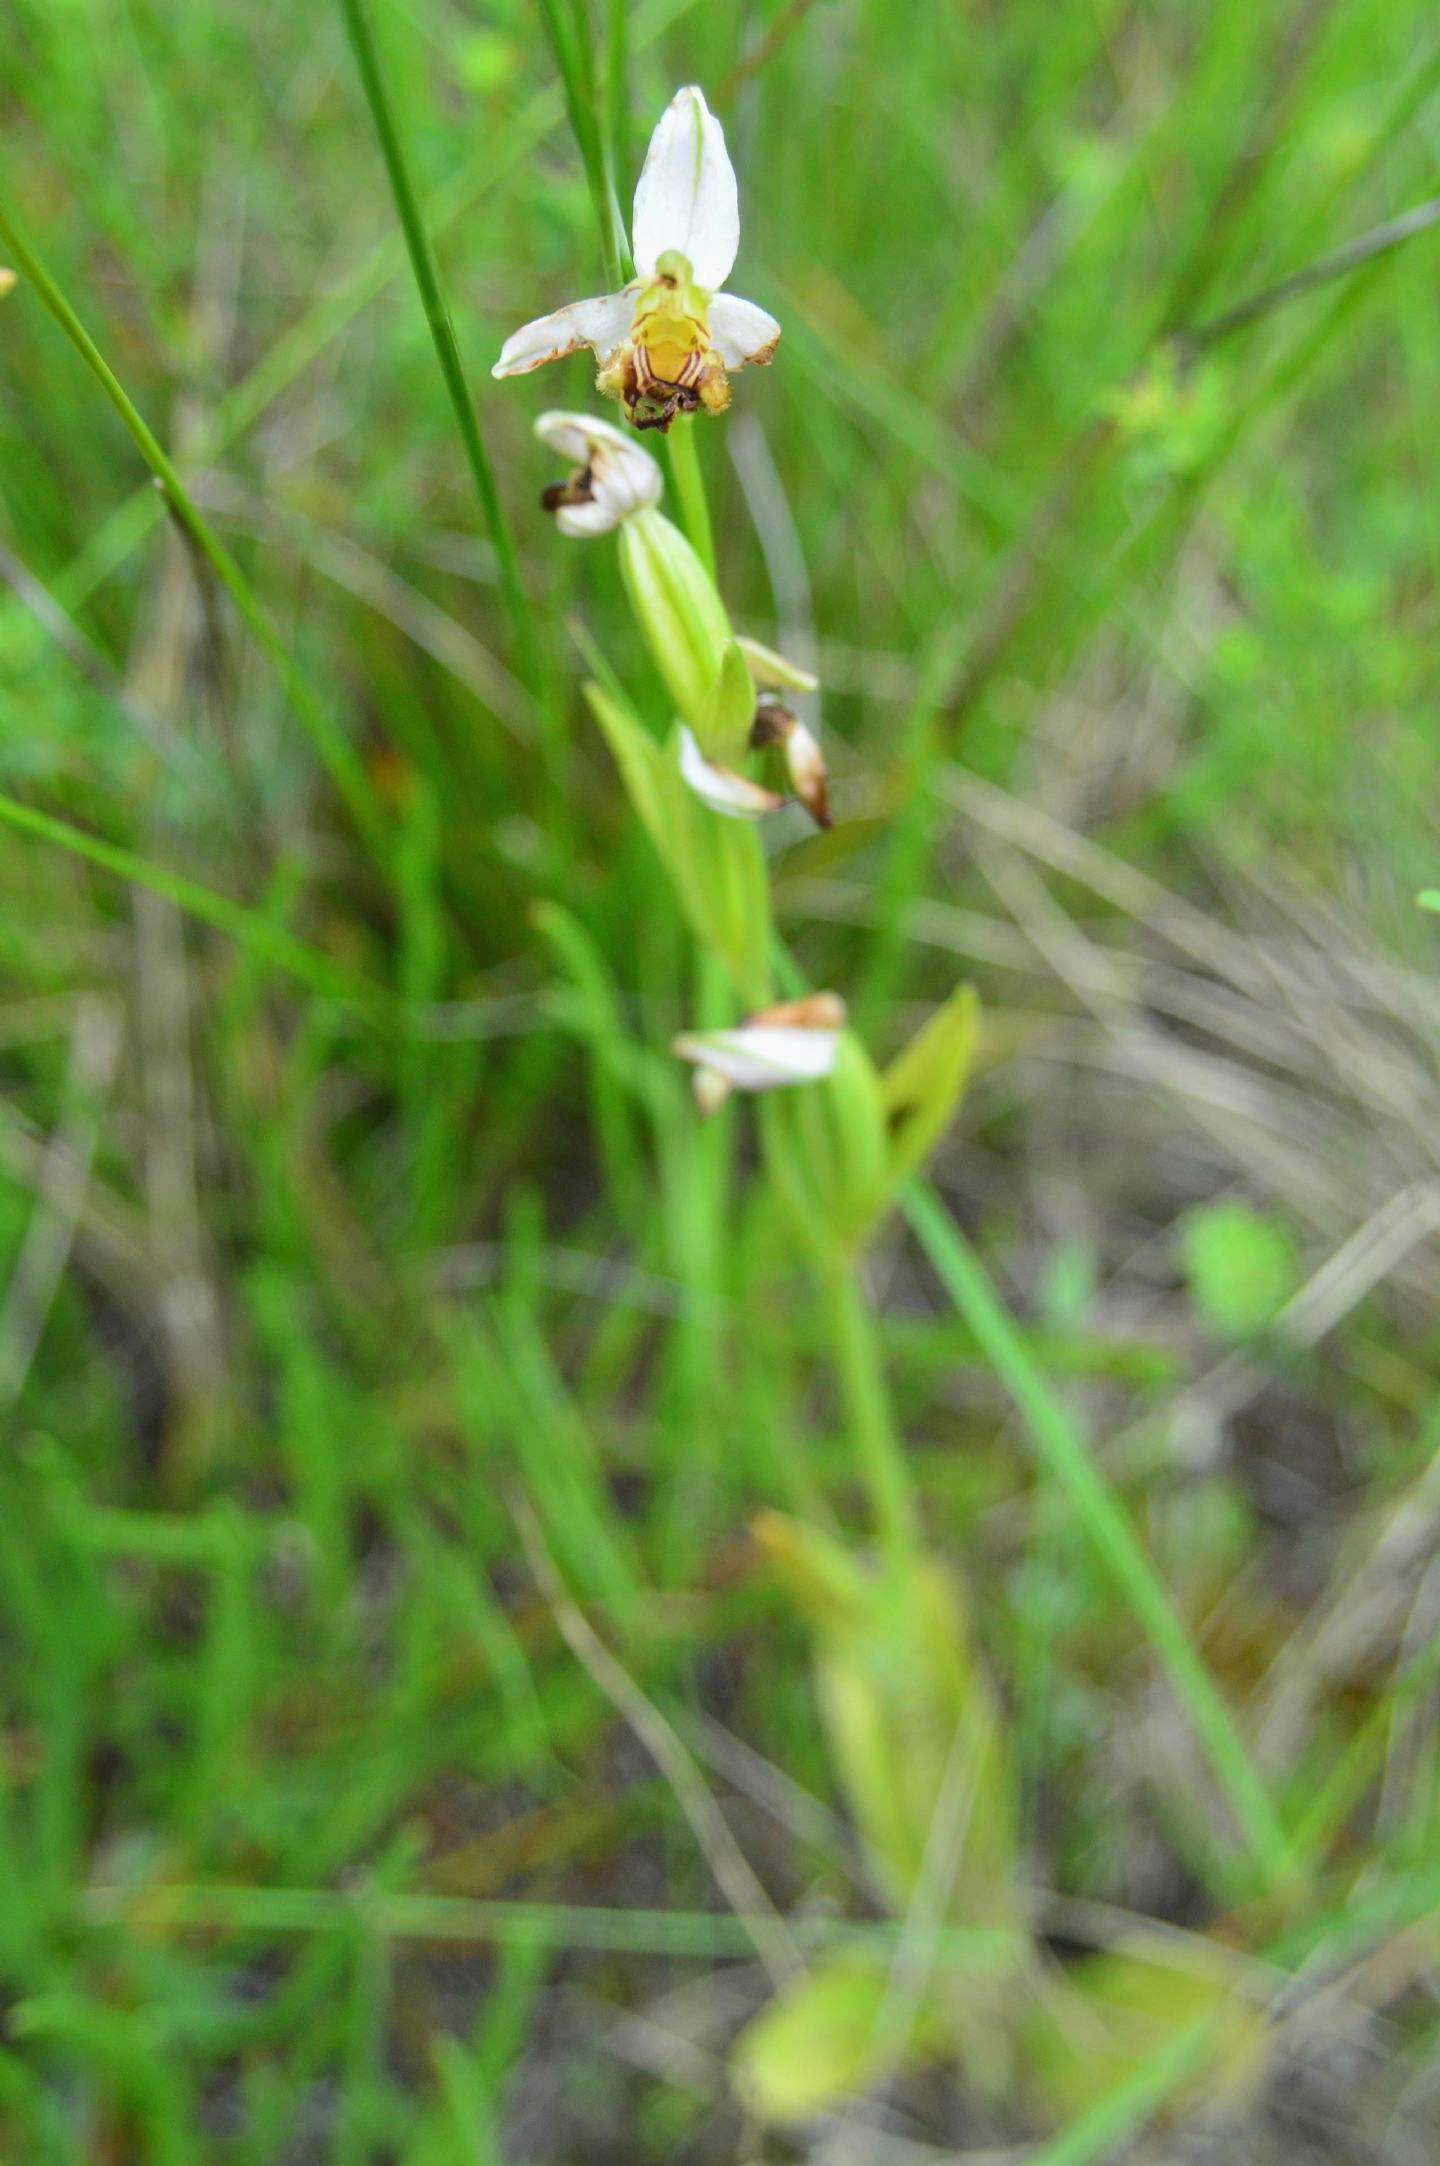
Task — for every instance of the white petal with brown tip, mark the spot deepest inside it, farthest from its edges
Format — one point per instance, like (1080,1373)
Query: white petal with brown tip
(602,324)
(733,796)
(742,331)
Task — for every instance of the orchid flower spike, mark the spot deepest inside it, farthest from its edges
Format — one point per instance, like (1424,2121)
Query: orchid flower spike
(670,341)
(612,479)
(796,1042)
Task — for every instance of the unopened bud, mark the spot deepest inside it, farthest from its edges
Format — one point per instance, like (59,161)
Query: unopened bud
(680,615)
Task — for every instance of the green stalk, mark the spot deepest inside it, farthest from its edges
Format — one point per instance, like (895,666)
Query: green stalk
(690,490)
(861,1370)
(617,92)
(342,762)
(1065,1452)
(426,272)
(573,54)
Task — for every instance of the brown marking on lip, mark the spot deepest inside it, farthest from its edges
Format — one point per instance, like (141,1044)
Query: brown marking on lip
(577,488)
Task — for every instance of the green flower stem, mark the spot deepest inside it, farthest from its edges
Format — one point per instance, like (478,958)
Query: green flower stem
(860,1367)
(342,762)
(690,490)
(1064,1451)
(426,272)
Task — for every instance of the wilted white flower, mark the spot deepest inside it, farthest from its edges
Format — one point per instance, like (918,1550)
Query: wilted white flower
(796,1042)
(797,746)
(668,343)
(613,477)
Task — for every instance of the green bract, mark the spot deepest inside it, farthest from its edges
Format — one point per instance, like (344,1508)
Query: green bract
(715,866)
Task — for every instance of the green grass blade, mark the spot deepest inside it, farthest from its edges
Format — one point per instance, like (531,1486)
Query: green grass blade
(426,272)
(339,756)
(250,928)
(1066,1454)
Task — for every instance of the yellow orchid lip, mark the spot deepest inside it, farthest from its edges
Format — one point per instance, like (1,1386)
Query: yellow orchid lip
(669,365)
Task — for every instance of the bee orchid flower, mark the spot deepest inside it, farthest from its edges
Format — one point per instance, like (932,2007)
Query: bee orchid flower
(796,1042)
(612,477)
(670,341)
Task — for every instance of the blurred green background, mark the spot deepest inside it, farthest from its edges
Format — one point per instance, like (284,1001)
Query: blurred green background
(318,1839)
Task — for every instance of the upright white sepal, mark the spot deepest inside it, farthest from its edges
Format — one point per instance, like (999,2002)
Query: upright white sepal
(687,199)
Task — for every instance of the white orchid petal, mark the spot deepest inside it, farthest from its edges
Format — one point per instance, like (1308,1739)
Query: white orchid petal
(583,521)
(602,324)
(761,1056)
(687,198)
(574,435)
(733,796)
(741,331)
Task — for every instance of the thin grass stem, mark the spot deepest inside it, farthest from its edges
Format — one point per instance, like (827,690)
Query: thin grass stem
(426,272)
(250,928)
(342,762)
(879,1454)
(573,54)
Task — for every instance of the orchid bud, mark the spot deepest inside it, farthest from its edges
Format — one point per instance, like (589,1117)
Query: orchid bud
(612,480)
(681,618)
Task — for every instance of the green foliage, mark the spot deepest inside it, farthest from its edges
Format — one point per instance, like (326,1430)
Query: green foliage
(912,1722)
(1242,1268)
(832,2034)
(386,1209)
(1092,2031)
(922,1087)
